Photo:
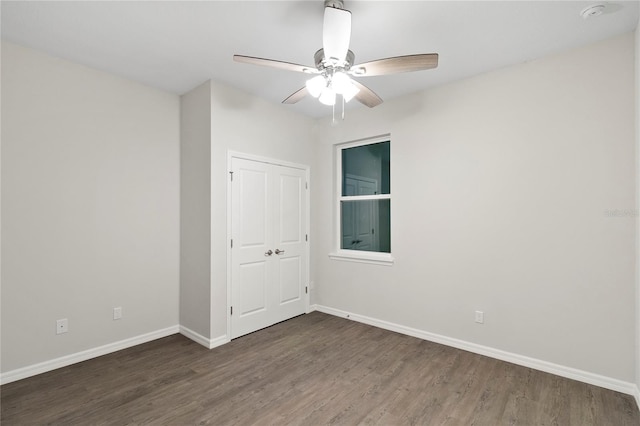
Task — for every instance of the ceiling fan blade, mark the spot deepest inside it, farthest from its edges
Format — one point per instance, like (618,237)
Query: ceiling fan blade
(366,96)
(336,33)
(287,66)
(296,96)
(396,65)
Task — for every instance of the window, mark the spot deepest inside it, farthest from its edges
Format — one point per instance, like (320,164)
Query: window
(363,215)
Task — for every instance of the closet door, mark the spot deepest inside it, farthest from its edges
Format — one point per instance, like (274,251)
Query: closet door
(290,255)
(268,257)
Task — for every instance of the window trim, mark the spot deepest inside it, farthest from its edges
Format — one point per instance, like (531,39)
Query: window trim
(360,256)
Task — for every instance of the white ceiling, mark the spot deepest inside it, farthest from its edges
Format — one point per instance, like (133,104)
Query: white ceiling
(176,45)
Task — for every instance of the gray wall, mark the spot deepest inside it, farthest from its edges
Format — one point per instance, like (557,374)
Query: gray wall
(222,119)
(500,188)
(243,123)
(499,205)
(195,209)
(90,207)
(637,114)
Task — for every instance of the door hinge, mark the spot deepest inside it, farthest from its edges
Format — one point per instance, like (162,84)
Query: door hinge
(306,185)
(306,237)
(232,310)
(231,174)
(306,290)
(232,243)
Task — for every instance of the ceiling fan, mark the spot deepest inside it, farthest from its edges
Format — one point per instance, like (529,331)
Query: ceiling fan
(334,64)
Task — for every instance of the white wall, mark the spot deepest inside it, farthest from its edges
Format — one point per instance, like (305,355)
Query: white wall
(244,123)
(498,204)
(237,122)
(500,185)
(195,209)
(637,115)
(90,211)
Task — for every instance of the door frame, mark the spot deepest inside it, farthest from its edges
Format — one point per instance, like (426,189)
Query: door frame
(261,159)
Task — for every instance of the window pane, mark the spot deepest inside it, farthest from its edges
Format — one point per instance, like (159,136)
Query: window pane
(366,225)
(365,169)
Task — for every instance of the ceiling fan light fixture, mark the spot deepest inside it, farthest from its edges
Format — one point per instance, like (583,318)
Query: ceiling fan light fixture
(340,82)
(349,92)
(343,85)
(334,63)
(328,96)
(315,85)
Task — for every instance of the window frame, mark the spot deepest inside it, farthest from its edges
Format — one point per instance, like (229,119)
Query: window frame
(360,256)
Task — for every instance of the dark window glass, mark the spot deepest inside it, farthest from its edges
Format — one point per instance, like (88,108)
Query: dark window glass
(366,225)
(365,170)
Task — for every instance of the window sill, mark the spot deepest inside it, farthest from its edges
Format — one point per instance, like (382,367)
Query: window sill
(363,257)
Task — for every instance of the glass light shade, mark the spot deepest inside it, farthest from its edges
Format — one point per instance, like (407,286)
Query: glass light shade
(315,85)
(350,91)
(340,82)
(328,96)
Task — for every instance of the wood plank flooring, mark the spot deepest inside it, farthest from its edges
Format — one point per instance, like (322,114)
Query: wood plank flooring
(315,369)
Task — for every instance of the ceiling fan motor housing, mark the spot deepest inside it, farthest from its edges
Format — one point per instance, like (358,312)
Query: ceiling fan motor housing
(322,64)
(336,4)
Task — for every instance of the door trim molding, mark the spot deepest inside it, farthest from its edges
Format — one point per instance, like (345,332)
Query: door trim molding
(269,160)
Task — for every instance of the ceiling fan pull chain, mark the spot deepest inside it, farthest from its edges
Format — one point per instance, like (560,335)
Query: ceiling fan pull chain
(335,122)
(333,115)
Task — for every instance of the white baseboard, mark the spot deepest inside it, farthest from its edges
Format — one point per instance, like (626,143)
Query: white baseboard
(199,338)
(548,367)
(43,367)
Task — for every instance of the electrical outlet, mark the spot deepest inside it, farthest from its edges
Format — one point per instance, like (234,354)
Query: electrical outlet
(117,313)
(480,317)
(62,326)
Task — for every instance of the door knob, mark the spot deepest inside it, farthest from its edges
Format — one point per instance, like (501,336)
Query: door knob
(269,253)
(278,251)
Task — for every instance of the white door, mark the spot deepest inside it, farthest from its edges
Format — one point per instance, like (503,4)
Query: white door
(269,256)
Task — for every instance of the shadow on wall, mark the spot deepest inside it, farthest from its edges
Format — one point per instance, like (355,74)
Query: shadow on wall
(231,98)
(405,107)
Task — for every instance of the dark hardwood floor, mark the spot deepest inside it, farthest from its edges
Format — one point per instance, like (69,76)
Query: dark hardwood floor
(312,370)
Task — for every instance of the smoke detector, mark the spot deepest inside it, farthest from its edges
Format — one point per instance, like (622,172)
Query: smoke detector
(599,9)
(592,11)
